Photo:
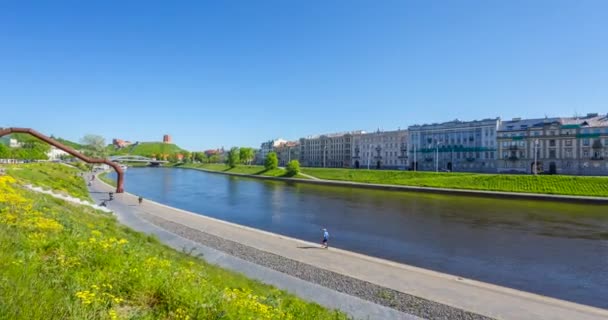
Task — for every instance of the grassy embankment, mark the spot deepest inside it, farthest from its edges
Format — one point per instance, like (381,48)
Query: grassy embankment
(63,261)
(549,184)
(51,176)
(242,169)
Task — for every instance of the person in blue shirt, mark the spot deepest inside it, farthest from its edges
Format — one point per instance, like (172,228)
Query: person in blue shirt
(325,238)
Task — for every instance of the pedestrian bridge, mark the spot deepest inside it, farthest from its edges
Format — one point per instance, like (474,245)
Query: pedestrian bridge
(133,158)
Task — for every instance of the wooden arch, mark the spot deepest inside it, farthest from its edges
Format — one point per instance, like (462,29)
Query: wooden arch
(117,168)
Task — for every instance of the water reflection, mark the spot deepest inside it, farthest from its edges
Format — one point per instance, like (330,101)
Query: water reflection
(555,249)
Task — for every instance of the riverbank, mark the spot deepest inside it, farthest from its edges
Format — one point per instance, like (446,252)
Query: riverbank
(80,263)
(250,170)
(339,177)
(394,280)
(541,184)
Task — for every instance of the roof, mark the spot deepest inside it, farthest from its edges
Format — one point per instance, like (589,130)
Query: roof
(591,120)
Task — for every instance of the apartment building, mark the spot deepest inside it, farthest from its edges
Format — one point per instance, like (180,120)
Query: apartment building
(287,151)
(328,150)
(380,150)
(266,148)
(574,145)
(454,146)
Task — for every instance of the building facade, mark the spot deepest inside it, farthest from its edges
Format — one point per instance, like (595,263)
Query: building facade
(288,151)
(454,146)
(328,150)
(266,148)
(381,150)
(575,145)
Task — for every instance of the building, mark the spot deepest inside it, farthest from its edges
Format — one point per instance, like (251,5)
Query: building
(328,150)
(119,143)
(380,150)
(14,143)
(167,139)
(574,145)
(266,148)
(454,146)
(55,153)
(218,154)
(288,151)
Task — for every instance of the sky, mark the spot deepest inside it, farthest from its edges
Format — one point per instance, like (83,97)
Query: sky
(237,73)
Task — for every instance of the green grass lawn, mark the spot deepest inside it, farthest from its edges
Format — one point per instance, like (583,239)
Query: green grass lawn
(63,261)
(550,184)
(242,169)
(53,176)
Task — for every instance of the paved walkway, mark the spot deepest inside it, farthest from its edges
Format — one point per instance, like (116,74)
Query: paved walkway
(474,296)
(126,209)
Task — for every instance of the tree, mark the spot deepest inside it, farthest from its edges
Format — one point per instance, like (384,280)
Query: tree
(97,144)
(246,155)
(271,162)
(5,152)
(233,157)
(187,157)
(293,168)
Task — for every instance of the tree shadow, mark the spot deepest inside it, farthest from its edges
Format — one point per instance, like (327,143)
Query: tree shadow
(261,172)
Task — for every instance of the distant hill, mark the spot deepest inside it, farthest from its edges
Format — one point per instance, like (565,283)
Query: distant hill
(149,148)
(73,145)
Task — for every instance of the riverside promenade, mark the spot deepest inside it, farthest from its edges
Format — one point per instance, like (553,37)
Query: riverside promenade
(429,294)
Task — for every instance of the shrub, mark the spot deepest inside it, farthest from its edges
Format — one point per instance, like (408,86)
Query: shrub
(293,168)
(272,162)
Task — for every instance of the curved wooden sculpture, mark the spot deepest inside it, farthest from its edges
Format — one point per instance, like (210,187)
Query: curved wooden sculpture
(117,168)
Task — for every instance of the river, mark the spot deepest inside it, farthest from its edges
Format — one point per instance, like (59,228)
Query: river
(550,248)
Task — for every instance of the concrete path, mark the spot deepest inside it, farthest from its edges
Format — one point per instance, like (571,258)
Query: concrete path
(474,296)
(126,209)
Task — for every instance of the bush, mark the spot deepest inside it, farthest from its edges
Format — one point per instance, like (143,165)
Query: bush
(293,168)
(272,162)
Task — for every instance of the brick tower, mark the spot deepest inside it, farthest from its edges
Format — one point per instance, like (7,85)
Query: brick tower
(167,138)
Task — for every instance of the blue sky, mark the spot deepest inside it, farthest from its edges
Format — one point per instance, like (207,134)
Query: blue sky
(227,73)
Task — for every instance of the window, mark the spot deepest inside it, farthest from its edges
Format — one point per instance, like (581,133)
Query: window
(568,143)
(551,143)
(568,153)
(537,133)
(552,154)
(585,153)
(586,142)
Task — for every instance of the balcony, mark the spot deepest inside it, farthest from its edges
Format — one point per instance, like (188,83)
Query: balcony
(470,159)
(597,158)
(514,148)
(513,158)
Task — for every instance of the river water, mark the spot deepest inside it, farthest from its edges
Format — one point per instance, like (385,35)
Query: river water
(554,249)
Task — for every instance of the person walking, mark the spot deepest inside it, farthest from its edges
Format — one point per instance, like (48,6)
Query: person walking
(140,199)
(325,238)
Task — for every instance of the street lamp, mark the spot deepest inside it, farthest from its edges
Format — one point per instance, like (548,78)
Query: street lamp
(437,143)
(535,151)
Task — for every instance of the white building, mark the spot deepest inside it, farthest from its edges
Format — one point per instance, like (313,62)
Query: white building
(332,150)
(55,154)
(268,147)
(454,146)
(571,145)
(381,150)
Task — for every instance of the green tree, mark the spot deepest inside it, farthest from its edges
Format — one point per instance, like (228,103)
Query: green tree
(233,157)
(246,155)
(293,168)
(96,143)
(5,152)
(271,162)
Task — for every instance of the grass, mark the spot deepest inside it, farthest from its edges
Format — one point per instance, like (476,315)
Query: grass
(548,184)
(241,169)
(54,176)
(63,261)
